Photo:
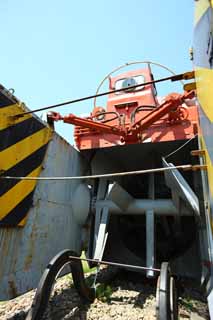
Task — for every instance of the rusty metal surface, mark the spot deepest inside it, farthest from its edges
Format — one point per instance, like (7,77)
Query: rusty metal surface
(50,227)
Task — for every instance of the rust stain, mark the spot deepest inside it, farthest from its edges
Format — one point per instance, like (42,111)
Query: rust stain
(31,240)
(28,262)
(12,289)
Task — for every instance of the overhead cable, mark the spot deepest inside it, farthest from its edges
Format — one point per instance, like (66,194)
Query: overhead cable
(185,76)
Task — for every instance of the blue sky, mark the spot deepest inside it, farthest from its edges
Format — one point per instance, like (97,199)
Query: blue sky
(53,51)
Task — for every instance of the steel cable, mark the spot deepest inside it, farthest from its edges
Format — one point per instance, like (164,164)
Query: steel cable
(107,175)
(186,75)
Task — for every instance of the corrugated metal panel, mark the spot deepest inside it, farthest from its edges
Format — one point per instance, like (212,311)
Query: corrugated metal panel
(50,226)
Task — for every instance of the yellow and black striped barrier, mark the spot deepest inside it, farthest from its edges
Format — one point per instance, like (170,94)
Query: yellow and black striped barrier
(203,62)
(23,143)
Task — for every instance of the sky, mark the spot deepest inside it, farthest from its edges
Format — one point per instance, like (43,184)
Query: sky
(53,51)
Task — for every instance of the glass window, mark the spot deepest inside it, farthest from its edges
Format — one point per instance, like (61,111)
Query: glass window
(128,82)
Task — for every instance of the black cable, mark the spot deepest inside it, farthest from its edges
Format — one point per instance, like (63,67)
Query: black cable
(117,116)
(172,78)
(140,108)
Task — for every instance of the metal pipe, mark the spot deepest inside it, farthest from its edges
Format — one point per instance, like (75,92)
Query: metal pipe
(140,206)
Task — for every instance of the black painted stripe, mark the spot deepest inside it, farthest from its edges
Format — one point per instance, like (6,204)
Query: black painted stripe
(18,213)
(18,132)
(23,168)
(5,101)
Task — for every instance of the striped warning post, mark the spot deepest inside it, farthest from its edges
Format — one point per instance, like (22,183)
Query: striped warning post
(203,63)
(23,143)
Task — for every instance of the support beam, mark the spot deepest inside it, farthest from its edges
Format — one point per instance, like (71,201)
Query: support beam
(101,195)
(161,207)
(102,235)
(150,230)
(150,242)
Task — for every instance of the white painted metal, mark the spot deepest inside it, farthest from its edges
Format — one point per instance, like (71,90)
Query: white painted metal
(102,235)
(81,202)
(150,242)
(140,206)
(150,230)
(101,194)
(179,186)
(120,197)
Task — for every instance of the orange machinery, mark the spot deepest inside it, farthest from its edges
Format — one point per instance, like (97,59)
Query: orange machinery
(135,115)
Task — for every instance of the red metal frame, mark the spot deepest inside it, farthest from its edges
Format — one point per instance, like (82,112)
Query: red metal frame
(170,120)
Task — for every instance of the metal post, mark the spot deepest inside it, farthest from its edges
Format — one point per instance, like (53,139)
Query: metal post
(150,230)
(102,191)
(150,242)
(102,235)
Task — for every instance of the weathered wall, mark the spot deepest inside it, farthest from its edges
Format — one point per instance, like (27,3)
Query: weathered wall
(50,225)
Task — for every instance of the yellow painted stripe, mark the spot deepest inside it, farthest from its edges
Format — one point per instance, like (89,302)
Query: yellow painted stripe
(16,194)
(22,149)
(22,222)
(209,165)
(204,82)
(210,176)
(7,113)
(200,8)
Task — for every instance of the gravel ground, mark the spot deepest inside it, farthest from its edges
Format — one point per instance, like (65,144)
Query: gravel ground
(125,298)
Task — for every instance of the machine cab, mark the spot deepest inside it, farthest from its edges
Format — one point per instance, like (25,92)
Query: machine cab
(133,97)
